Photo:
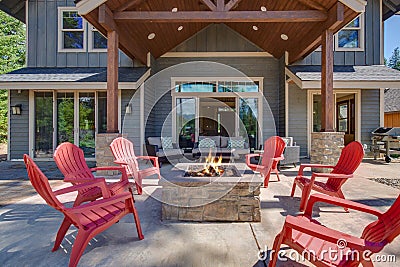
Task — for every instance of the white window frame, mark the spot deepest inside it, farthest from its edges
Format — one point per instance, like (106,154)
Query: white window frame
(61,30)
(361,35)
(91,30)
(197,95)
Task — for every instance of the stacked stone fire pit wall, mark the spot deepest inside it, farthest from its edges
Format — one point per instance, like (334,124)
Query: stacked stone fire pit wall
(202,201)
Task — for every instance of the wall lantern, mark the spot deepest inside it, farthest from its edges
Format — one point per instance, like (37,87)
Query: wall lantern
(16,110)
(128,109)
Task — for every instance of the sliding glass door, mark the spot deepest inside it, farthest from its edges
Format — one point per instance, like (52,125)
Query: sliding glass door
(43,146)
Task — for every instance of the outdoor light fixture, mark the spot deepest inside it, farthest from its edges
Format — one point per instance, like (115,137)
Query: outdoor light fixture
(128,109)
(263,9)
(255,28)
(16,110)
(284,37)
(175,9)
(180,28)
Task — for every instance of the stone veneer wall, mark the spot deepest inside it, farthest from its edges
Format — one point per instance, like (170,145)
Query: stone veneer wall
(104,156)
(326,148)
(234,202)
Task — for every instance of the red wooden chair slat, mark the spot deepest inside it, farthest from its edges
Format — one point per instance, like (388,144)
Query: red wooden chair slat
(124,155)
(348,162)
(302,233)
(90,219)
(273,153)
(70,159)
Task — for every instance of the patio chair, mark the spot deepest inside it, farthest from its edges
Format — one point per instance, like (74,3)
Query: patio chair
(91,218)
(349,160)
(273,153)
(70,160)
(308,236)
(124,155)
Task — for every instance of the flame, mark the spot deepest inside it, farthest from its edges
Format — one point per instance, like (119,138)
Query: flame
(213,163)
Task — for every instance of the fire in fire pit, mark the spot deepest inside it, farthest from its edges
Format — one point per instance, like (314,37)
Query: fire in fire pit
(212,168)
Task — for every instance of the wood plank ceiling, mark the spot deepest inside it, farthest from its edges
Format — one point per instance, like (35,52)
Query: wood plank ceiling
(303,37)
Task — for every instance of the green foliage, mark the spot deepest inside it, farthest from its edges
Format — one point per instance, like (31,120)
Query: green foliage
(394,60)
(12,57)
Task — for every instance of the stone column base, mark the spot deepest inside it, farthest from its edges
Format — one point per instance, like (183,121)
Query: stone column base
(326,148)
(104,156)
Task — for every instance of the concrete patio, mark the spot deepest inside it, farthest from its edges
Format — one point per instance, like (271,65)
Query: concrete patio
(28,227)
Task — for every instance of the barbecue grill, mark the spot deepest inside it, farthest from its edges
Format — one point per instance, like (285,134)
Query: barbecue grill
(387,141)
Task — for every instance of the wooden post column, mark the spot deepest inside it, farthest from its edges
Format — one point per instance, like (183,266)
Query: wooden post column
(327,82)
(112,82)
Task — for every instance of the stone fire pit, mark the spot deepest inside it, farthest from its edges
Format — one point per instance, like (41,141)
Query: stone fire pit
(233,198)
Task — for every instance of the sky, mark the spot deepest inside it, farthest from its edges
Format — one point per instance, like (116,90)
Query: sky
(392,35)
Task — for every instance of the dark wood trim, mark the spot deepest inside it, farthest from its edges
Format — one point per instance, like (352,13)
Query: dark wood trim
(232,4)
(312,4)
(218,16)
(129,4)
(112,82)
(106,18)
(335,18)
(327,97)
(209,4)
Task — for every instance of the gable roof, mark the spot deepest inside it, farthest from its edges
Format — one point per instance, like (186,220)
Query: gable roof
(304,35)
(14,8)
(392,100)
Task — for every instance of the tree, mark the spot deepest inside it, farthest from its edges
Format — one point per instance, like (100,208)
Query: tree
(12,57)
(394,60)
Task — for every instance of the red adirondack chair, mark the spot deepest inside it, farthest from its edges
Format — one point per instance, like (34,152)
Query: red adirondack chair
(70,159)
(273,153)
(302,233)
(124,155)
(91,218)
(349,160)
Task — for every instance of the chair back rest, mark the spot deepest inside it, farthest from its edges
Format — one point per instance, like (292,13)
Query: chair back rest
(273,147)
(386,228)
(41,184)
(123,151)
(70,159)
(348,162)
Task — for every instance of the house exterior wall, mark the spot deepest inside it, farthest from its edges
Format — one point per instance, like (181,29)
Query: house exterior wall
(42,35)
(371,55)
(19,125)
(370,110)
(297,116)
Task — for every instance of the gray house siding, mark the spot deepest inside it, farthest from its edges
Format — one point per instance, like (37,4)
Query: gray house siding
(372,45)
(130,123)
(282,110)
(297,109)
(43,40)
(370,110)
(19,125)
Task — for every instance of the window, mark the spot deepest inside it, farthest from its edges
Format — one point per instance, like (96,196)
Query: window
(217,86)
(351,37)
(71,35)
(97,41)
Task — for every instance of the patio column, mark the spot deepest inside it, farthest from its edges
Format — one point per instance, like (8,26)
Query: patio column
(327,96)
(326,145)
(112,82)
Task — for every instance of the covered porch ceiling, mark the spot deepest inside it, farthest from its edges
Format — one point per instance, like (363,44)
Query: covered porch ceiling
(265,23)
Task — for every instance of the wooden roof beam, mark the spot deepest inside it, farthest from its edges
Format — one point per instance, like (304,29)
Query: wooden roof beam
(106,18)
(335,18)
(232,4)
(209,4)
(129,4)
(312,4)
(218,17)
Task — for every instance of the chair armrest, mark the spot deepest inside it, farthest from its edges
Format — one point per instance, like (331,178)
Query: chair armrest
(332,175)
(124,175)
(341,203)
(249,156)
(302,166)
(101,202)
(151,158)
(330,235)
(120,162)
(73,180)
(99,182)
(279,158)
